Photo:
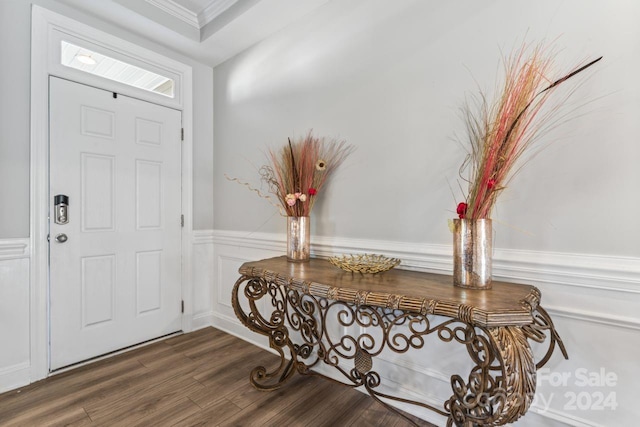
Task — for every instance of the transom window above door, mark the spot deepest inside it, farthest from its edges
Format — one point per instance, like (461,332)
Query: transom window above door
(95,63)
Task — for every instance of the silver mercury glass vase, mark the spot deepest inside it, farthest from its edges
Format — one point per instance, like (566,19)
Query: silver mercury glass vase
(472,252)
(298,238)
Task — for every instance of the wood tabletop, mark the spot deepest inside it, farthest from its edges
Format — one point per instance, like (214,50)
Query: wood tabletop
(506,304)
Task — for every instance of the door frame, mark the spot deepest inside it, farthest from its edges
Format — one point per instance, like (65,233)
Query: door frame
(47,30)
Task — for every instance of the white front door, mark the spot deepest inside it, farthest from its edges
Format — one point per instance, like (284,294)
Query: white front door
(115,280)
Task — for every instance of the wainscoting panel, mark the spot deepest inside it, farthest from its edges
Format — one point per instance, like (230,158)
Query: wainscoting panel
(14,313)
(593,301)
(228,257)
(203,279)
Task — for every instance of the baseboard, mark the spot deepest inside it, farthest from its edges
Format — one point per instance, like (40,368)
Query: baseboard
(233,327)
(202,320)
(15,376)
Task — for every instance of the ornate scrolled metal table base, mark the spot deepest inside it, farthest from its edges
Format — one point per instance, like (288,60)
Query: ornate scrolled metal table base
(498,390)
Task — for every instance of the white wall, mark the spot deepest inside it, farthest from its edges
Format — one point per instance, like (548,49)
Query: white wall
(15,39)
(390,77)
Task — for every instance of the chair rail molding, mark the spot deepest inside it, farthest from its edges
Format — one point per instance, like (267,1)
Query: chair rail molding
(14,249)
(565,273)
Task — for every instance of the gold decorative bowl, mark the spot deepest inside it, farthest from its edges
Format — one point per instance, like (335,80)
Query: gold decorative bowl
(366,263)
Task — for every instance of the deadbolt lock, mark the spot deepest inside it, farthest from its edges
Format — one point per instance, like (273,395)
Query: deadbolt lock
(61,209)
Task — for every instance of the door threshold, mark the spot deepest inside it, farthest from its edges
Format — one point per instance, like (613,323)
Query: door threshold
(113,353)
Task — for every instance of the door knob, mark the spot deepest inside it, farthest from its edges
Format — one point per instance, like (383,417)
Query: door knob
(61,238)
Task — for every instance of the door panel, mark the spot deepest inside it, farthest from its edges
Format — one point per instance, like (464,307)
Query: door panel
(148,195)
(148,281)
(98,181)
(115,281)
(97,289)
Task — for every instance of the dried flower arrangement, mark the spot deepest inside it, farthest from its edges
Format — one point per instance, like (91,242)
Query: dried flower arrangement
(297,172)
(500,133)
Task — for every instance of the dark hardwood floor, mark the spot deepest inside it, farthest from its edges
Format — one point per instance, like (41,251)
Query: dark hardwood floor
(196,379)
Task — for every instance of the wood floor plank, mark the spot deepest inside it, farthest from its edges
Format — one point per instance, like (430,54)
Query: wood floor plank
(377,415)
(169,415)
(56,416)
(215,349)
(212,415)
(245,395)
(227,368)
(145,397)
(86,387)
(310,410)
(168,357)
(275,402)
(195,379)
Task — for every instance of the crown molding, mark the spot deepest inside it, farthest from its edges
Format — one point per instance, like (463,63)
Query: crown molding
(177,11)
(196,20)
(213,10)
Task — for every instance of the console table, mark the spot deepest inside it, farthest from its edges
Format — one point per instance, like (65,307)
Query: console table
(308,302)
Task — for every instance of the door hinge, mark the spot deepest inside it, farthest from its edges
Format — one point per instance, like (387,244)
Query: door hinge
(182,306)
(182,134)
(181,220)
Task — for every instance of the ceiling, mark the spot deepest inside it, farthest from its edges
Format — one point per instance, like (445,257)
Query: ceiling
(209,31)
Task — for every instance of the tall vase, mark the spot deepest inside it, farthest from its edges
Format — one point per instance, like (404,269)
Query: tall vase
(472,251)
(298,238)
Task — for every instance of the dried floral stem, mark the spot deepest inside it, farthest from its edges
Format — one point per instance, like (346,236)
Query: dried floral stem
(258,192)
(500,134)
(297,172)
